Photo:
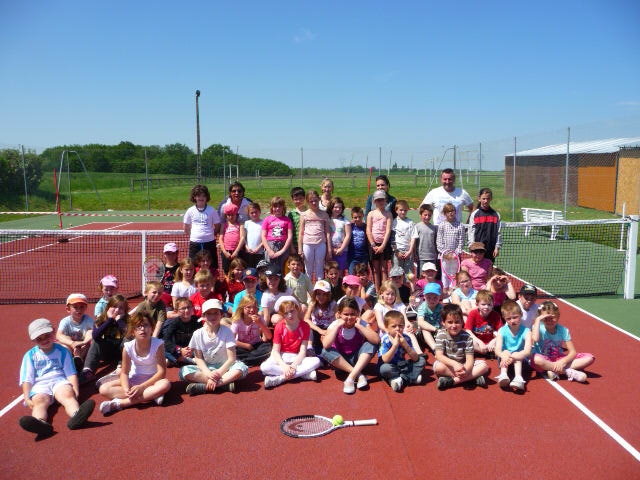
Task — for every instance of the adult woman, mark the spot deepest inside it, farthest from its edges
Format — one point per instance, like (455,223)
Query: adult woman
(236,197)
(382,183)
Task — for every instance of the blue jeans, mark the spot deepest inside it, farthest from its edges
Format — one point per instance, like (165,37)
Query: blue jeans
(408,370)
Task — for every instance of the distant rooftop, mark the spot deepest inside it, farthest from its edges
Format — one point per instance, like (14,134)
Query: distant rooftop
(609,145)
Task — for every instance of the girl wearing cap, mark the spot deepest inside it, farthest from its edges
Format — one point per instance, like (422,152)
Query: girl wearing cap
(479,268)
(232,238)
(379,232)
(108,288)
(382,183)
(320,314)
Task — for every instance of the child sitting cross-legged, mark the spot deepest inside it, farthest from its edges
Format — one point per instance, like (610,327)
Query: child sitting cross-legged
(349,344)
(47,374)
(142,377)
(398,362)
(513,346)
(178,333)
(252,335)
(455,362)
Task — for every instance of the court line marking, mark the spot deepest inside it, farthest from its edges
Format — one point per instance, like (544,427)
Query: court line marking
(593,417)
(10,406)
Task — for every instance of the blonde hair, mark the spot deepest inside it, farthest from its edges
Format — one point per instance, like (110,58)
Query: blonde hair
(448,207)
(327,181)
(484,296)
(248,299)
(185,263)
(277,202)
(203,276)
(387,285)
(149,285)
(509,306)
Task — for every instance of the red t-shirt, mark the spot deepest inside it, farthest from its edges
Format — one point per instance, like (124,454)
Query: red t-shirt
(483,328)
(197,300)
(233,287)
(289,341)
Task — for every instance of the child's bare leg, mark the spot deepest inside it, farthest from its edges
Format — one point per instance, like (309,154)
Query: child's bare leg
(112,389)
(40,406)
(375,264)
(67,398)
(479,368)
(161,387)
(230,376)
(491,346)
(442,370)
(517,368)
(542,363)
(341,364)
(363,361)
(428,338)
(582,363)
(479,346)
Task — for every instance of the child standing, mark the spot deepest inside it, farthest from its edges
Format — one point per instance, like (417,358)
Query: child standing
(341,233)
(379,232)
(548,337)
(47,373)
(479,268)
(74,331)
(277,234)
(429,314)
(253,249)
(527,302)
(450,237)
(320,314)
(425,234)
(297,197)
(202,223)
(485,225)
(358,251)
(108,287)
(455,362)
(314,238)
(327,190)
(483,323)
(288,358)
(142,378)
(252,335)
(349,344)
(214,348)
(232,238)
(178,334)
(402,228)
(513,345)
(395,347)
(298,281)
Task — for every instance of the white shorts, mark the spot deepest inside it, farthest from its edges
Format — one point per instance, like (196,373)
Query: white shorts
(139,378)
(48,387)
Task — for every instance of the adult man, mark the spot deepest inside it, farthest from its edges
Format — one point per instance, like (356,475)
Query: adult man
(448,193)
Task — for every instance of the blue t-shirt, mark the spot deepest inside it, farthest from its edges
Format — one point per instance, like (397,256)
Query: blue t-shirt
(513,343)
(385,346)
(239,295)
(38,365)
(100,306)
(432,317)
(462,296)
(75,330)
(358,245)
(550,344)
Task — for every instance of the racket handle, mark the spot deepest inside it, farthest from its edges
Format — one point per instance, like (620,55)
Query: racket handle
(358,423)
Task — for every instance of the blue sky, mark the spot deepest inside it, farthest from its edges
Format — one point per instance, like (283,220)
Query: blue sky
(327,76)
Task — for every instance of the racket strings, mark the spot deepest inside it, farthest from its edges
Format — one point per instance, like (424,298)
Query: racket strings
(306,426)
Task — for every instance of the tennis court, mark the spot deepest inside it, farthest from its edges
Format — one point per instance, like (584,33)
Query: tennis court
(551,431)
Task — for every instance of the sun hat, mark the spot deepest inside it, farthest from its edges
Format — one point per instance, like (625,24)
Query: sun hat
(379,195)
(396,271)
(230,208)
(429,266)
(477,246)
(285,298)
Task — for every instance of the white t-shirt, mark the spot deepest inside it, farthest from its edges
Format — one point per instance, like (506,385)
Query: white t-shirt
(202,223)
(528,317)
(75,330)
(254,234)
(179,289)
(214,349)
(438,197)
(147,365)
(268,299)
(383,308)
(403,230)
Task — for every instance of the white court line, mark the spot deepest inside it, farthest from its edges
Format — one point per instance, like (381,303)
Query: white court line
(610,431)
(11,405)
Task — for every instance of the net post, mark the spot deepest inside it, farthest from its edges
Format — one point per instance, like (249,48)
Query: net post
(142,260)
(630,267)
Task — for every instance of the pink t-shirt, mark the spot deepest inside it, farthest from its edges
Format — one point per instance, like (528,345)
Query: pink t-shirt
(277,228)
(477,271)
(230,236)
(289,341)
(246,333)
(315,227)
(378,227)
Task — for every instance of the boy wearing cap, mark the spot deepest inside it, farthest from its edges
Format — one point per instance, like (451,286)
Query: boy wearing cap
(528,305)
(250,281)
(396,274)
(170,258)
(214,350)
(429,314)
(74,331)
(108,288)
(47,373)
(425,234)
(298,281)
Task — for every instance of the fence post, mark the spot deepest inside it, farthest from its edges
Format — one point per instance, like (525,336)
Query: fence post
(291,181)
(415,180)
(630,270)
(143,259)
(353,181)
(513,182)
(132,181)
(259,181)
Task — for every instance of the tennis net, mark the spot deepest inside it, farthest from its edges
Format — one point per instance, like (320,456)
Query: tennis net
(565,258)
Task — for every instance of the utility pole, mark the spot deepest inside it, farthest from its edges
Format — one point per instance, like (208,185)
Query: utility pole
(198,165)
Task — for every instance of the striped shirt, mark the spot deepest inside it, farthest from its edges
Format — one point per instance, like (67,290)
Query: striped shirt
(450,237)
(456,348)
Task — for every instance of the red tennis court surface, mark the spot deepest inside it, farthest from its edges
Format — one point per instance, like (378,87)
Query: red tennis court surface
(422,432)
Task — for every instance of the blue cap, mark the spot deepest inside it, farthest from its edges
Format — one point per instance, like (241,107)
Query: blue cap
(432,288)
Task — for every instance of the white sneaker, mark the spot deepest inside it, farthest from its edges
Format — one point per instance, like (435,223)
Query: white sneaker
(271,381)
(349,387)
(517,383)
(362,382)
(396,384)
(108,378)
(576,375)
(159,400)
(418,380)
(503,380)
(312,375)
(110,406)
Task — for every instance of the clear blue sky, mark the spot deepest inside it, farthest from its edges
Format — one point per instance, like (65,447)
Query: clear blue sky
(319,75)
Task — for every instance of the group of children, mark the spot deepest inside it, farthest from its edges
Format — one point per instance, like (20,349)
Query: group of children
(325,310)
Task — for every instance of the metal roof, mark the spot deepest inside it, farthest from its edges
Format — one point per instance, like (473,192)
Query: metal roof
(610,145)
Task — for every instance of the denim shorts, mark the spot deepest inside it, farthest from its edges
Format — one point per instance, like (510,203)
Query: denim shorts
(331,354)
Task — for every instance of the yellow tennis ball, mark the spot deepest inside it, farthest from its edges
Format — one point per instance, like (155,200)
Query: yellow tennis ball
(337,420)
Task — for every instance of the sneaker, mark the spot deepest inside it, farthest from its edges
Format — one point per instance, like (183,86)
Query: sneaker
(312,375)
(85,376)
(481,382)
(517,383)
(108,378)
(362,382)
(418,380)
(349,387)
(110,406)
(503,380)
(396,384)
(576,375)
(445,382)
(78,363)
(81,415)
(35,425)
(553,376)
(194,389)
(271,381)
(159,400)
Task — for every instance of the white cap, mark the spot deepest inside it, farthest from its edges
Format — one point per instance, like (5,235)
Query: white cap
(428,266)
(76,298)
(211,304)
(285,298)
(39,327)
(322,285)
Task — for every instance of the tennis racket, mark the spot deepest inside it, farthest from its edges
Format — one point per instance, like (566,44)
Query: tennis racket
(153,269)
(450,263)
(308,426)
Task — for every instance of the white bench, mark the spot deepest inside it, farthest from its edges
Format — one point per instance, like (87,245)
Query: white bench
(541,215)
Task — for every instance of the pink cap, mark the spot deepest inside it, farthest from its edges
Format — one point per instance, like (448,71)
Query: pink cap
(109,281)
(230,208)
(170,247)
(351,280)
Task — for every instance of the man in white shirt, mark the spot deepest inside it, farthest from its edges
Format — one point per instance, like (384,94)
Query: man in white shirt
(448,193)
